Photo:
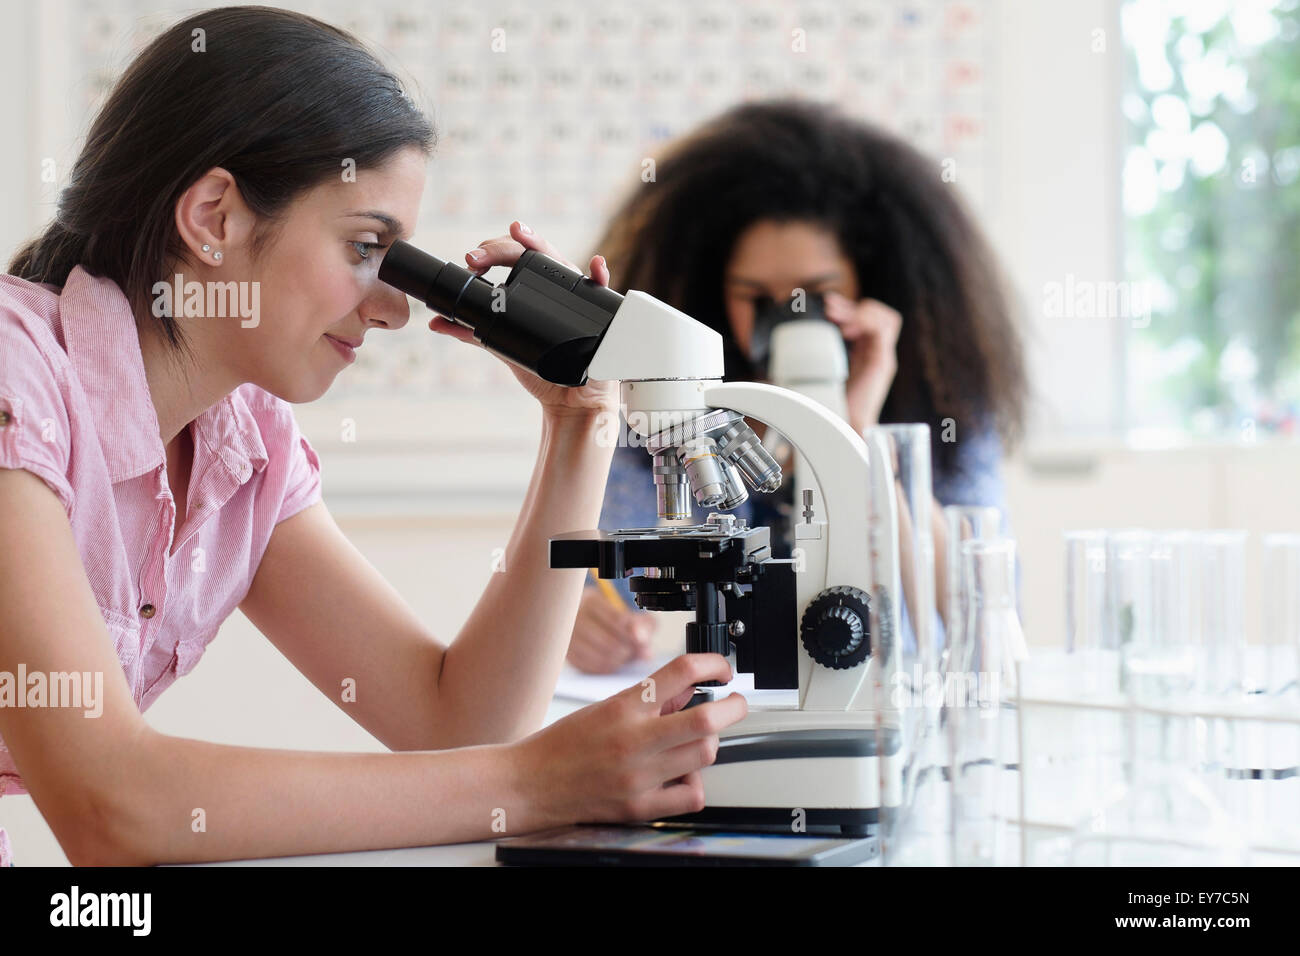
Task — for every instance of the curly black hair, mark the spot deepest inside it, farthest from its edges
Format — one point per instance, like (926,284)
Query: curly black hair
(913,245)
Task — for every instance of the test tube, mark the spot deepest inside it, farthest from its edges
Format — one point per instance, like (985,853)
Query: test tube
(1128,607)
(905,450)
(1085,595)
(1281,639)
(1177,568)
(1084,771)
(962,523)
(1221,676)
(910,445)
(982,718)
(1281,617)
(1223,558)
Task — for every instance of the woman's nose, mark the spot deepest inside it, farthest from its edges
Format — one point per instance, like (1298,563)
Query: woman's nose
(386,307)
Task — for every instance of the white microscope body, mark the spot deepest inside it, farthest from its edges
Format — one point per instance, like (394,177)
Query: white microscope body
(823,754)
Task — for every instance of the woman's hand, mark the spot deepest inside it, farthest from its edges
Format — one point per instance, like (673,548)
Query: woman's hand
(589,399)
(871,330)
(606,637)
(634,756)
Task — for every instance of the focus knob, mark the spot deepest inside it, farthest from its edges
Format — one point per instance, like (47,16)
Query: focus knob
(835,629)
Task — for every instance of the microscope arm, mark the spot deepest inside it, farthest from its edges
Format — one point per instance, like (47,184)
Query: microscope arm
(837,457)
(860,514)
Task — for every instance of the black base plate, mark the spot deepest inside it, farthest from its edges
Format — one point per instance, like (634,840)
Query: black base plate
(850,822)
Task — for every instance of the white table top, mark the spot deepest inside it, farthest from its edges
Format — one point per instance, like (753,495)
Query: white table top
(458,854)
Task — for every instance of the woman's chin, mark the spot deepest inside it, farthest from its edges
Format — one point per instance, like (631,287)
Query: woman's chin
(315,391)
(302,390)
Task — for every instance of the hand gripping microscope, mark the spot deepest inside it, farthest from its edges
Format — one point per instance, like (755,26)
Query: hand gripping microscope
(824,621)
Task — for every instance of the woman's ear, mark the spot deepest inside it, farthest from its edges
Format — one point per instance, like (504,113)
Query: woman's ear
(212,219)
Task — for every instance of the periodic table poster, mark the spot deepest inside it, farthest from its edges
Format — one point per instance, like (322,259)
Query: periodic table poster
(546,109)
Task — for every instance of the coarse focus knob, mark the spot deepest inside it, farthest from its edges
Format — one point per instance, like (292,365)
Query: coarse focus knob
(836,629)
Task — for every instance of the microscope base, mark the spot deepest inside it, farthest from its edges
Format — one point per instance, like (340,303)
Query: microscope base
(814,778)
(850,823)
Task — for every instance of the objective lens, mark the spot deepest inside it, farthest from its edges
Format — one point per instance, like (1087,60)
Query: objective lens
(672,487)
(735,488)
(705,470)
(741,447)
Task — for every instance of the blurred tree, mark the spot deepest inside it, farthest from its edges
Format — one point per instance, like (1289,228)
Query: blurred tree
(1212,200)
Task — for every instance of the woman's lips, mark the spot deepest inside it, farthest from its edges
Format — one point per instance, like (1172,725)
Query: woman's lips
(349,352)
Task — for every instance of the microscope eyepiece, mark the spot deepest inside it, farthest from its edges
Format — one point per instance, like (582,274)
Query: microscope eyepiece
(436,283)
(768,314)
(547,317)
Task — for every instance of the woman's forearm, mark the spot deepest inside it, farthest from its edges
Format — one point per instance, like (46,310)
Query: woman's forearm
(499,674)
(182,800)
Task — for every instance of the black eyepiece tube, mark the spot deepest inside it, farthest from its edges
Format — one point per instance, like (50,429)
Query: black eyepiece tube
(547,317)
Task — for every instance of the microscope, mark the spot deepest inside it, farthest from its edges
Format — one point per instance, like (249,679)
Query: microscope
(824,622)
(793,345)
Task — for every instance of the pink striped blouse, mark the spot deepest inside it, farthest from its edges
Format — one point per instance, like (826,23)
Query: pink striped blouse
(75,410)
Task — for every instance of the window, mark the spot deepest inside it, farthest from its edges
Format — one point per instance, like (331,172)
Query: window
(1211,191)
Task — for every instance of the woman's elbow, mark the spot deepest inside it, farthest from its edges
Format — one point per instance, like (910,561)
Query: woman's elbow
(94,849)
(107,820)
(105,829)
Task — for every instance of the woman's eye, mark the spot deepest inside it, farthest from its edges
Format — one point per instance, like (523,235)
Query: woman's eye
(363,248)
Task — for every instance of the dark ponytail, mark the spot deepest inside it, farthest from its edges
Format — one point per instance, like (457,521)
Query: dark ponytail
(279,99)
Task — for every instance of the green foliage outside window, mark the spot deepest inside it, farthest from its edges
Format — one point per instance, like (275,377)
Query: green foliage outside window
(1212,210)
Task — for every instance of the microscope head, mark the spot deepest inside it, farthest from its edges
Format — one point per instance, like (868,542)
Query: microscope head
(561,325)
(807,352)
(665,359)
(546,317)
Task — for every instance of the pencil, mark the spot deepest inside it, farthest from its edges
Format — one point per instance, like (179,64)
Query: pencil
(612,595)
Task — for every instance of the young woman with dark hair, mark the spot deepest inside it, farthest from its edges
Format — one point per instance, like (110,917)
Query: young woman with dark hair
(781,195)
(152,480)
